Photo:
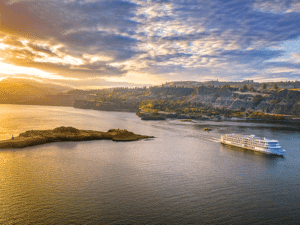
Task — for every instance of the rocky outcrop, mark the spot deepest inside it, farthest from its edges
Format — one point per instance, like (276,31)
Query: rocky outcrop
(60,134)
(223,102)
(241,103)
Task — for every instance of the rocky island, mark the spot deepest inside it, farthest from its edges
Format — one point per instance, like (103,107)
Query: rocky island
(60,134)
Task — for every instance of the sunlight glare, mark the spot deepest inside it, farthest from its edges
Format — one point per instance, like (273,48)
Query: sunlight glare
(11,70)
(3,46)
(67,60)
(137,78)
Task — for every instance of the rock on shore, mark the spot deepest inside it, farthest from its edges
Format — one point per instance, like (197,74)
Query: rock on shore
(59,134)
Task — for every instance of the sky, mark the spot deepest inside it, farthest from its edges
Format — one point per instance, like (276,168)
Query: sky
(111,43)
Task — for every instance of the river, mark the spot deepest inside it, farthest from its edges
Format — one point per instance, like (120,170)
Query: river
(182,176)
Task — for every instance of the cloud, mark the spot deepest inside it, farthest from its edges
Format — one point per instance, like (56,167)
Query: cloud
(76,26)
(296,55)
(288,64)
(12,41)
(249,56)
(201,34)
(173,39)
(44,49)
(277,6)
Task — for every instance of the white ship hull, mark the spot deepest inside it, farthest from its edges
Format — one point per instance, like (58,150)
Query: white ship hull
(253,143)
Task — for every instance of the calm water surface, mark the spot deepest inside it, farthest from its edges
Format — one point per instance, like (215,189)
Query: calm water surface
(183,176)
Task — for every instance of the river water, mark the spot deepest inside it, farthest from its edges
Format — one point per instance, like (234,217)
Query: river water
(183,176)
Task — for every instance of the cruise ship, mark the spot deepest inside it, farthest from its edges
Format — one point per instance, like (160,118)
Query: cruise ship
(253,143)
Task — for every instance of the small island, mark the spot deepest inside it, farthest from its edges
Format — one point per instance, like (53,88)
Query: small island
(60,134)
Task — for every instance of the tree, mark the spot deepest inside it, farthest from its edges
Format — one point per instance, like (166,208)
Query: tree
(244,88)
(227,86)
(257,99)
(264,86)
(252,89)
(275,86)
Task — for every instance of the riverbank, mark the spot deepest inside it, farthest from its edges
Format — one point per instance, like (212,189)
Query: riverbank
(251,117)
(60,134)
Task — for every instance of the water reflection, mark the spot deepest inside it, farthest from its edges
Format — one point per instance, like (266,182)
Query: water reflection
(65,145)
(183,176)
(261,157)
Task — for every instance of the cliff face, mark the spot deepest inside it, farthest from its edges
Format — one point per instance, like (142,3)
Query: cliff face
(281,102)
(242,104)
(278,102)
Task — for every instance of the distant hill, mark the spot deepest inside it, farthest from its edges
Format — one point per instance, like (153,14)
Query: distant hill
(23,83)
(22,91)
(236,84)
(214,83)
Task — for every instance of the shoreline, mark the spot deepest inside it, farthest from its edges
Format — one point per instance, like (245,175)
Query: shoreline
(165,115)
(63,134)
(231,119)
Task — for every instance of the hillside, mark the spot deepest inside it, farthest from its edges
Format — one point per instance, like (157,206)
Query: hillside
(21,91)
(200,100)
(184,99)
